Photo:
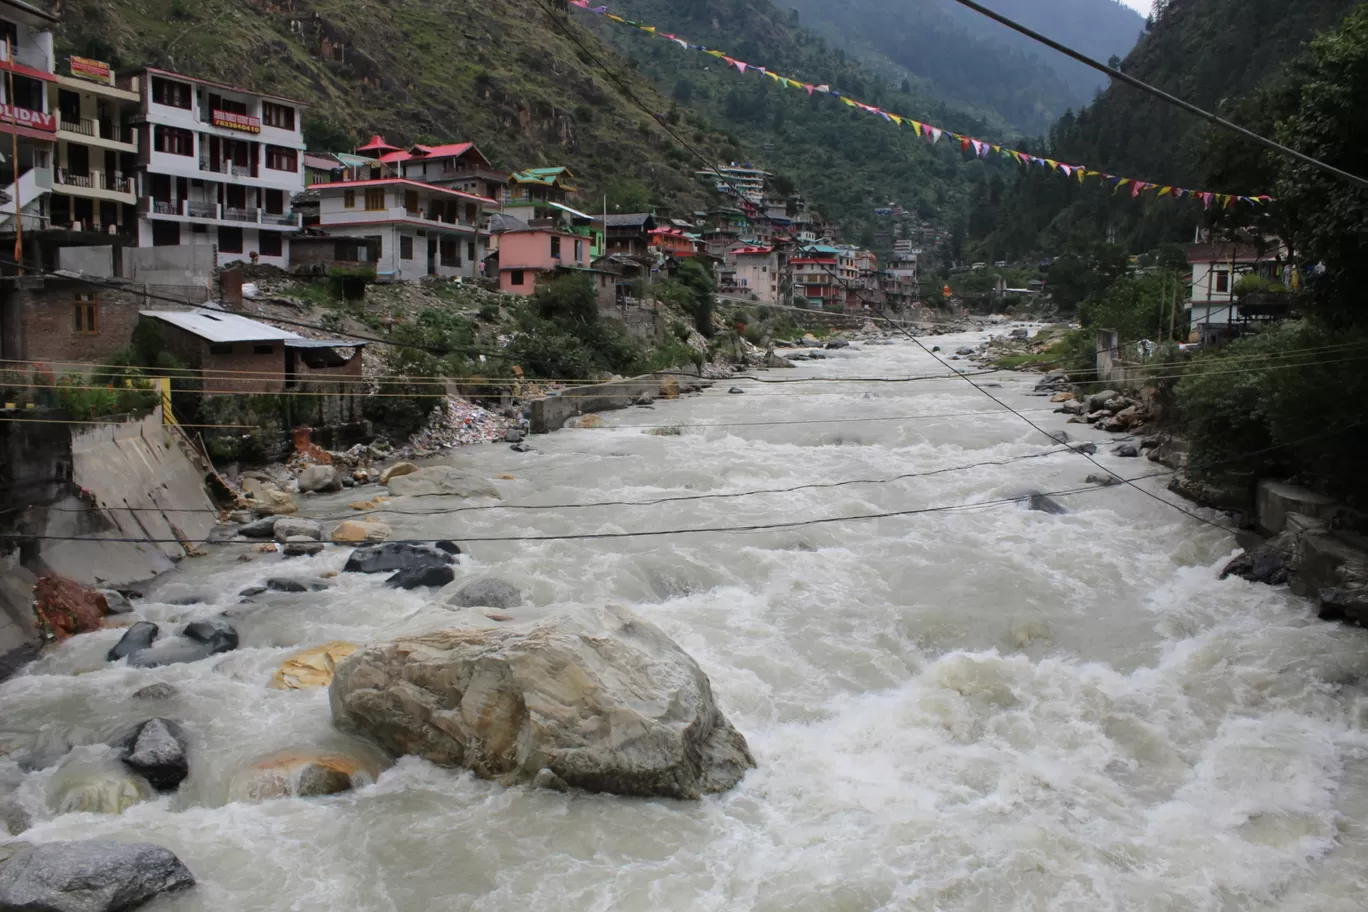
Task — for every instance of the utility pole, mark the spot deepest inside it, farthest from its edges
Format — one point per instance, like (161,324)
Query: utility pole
(14,161)
(1173,314)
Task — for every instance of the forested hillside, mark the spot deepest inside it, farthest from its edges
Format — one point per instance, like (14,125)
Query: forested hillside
(1211,52)
(963,57)
(847,161)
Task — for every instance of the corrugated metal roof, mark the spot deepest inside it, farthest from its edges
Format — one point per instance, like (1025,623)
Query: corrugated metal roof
(322,343)
(576,212)
(221,327)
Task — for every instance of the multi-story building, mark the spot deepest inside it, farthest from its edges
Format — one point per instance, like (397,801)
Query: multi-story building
(456,166)
(410,229)
(218,167)
(97,151)
(527,253)
(735,179)
(535,193)
(1216,267)
(755,270)
(817,277)
(28,126)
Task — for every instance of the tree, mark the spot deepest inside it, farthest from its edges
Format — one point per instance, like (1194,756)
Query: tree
(325,136)
(683,91)
(628,196)
(1328,124)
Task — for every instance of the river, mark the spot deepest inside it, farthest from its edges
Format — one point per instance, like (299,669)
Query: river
(981,709)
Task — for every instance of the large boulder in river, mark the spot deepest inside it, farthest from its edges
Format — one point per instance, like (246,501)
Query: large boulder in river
(135,639)
(199,640)
(289,527)
(321,479)
(597,699)
(356,530)
(421,577)
(443,480)
(268,499)
(156,750)
(397,470)
(393,556)
(1098,401)
(65,607)
(90,876)
(312,667)
(487,593)
(301,774)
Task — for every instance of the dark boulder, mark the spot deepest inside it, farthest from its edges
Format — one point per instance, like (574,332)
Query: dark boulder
(450,547)
(90,876)
(219,636)
(17,658)
(251,591)
(1261,565)
(1338,604)
(391,556)
(135,639)
(1127,450)
(516,435)
(1043,503)
(417,577)
(736,391)
(156,750)
(160,691)
(285,584)
(262,528)
(837,343)
(520,448)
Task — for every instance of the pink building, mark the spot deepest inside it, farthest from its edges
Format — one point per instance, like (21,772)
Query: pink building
(528,252)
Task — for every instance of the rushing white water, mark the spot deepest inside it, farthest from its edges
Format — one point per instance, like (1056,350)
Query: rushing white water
(980,709)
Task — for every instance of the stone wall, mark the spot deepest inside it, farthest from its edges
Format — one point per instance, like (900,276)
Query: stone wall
(551,413)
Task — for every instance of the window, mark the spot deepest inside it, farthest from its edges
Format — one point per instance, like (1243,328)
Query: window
(282,117)
(405,247)
(220,348)
(579,251)
(555,248)
(167,92)
(165,234)
(85,315)
(263,349)
(472,213)
(516,277)
(230,240)
(375,199)
(173,141)
(272,244)
(411,202)
(281,159)
(275,202)
(451,252)
(470,251)
(348,199)
(1222,280)
(376,244)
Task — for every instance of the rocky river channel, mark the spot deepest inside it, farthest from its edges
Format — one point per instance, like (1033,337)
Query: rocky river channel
(981,708)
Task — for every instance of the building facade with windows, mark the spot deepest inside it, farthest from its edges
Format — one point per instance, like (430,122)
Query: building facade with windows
(1216,267)
(527,253)
(96,154)
(756,271)
(28,125)
(218,166)
(411,229)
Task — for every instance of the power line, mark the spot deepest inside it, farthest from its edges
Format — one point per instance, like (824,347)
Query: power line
(1162,95)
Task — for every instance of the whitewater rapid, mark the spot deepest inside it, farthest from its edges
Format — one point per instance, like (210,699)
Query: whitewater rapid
(982,709)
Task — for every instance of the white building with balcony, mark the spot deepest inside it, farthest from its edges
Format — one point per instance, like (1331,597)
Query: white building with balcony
(96,155)
(27,125)
(411,229)
(218,166)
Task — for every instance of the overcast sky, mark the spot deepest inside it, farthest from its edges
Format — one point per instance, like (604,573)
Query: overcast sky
(1140,6)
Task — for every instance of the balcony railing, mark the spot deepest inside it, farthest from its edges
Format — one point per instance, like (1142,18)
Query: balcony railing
(29,57)
(85,126)
(212,166)
(279,218)
(233,214)
(116,183)
(68,179)
(241,171)
(202,210)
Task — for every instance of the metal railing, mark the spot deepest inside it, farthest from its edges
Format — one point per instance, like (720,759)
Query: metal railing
(233,214)
(241,171)
(68,179)
(116,183)
(279,218)
(202,210)
(84,125)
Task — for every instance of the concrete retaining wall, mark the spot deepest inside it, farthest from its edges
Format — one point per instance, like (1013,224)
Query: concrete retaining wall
(551,414)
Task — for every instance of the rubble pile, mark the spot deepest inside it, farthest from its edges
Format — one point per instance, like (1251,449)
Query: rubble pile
(1109,410)
(459,422)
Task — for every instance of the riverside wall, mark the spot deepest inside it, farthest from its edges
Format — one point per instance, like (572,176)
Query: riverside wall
(551,414)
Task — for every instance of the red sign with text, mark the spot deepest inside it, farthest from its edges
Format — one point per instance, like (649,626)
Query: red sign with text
(91,69)
(231,121)
(24,117)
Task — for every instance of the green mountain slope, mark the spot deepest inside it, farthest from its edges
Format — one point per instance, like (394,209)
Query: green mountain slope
(966,58)
(1211,52)
(497,73)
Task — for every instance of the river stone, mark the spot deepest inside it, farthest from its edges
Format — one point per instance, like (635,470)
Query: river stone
(289,527)
(135,639)
(837,343)
(1127,450)
(320,479)
(116,602)
(262,528)
(312,667)
(418,577)
(156,751)
(301,774)
(600,697)
(443,480)
(355,530)
(449,547)
(158,691)
(393,556)
(1105,481)
(397,470)
(269,499)
(487,593)
(1098,401)
(301,546)
(285,584)
(90,876)
(13,818)
(1043,503)
(219,636)
(175,651)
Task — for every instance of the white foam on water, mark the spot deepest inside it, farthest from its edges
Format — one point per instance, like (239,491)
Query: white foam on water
(980,710)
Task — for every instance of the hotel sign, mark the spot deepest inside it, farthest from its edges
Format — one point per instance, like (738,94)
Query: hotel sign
(24,117)
(91,69)
(230,121)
